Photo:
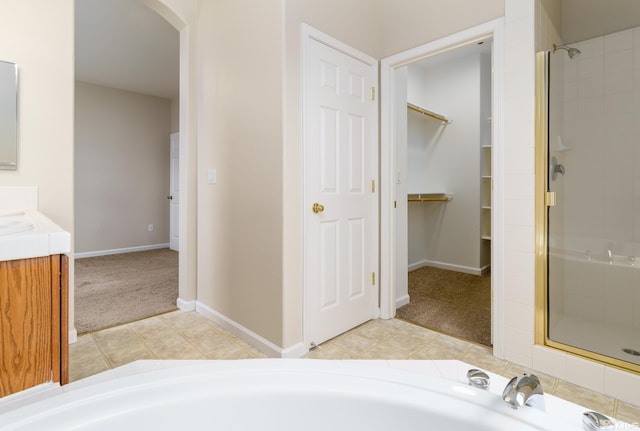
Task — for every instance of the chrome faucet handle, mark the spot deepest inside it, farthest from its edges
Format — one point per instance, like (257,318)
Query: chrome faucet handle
(524,389)
(478,378)
(594,421)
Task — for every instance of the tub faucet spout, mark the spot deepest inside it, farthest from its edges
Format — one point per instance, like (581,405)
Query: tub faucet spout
(524,389)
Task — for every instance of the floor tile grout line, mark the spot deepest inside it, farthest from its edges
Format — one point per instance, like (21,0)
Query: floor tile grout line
(126,327)
(613,405)
(157,356)
(235,340)
(102,353)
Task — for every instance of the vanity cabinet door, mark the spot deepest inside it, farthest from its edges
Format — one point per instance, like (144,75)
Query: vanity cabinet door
(25,324)
(32,328)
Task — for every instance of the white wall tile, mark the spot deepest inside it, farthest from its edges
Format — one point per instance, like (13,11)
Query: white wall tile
(622,385)
(519,289)
(519,160)
(519,33)
(519,186)
(518,124)
(519,317)
(590,48)
(618,71)
(519,212)
(521,238)
(519,264)
(517,344)
(619,41)
(519,67)
(550,361)
(585,373)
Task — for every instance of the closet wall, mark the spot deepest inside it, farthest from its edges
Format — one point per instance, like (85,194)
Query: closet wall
(448,159)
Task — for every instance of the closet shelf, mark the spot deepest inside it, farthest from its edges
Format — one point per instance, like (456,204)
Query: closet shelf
(430,197)
(428,113)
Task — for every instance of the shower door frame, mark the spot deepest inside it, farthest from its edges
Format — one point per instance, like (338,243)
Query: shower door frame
(543,200)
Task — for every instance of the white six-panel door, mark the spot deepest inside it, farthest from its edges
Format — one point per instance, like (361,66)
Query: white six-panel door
(341,200)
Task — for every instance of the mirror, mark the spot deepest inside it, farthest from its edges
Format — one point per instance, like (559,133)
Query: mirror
(8,116)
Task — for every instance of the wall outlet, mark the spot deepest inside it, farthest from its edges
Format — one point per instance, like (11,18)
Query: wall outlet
(150,228)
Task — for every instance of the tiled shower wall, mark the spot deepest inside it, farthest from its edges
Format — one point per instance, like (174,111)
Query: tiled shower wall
(527,30)
(599,146)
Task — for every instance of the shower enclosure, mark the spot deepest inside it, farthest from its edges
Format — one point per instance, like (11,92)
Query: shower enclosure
(591,159)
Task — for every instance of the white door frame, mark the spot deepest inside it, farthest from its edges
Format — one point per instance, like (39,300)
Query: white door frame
(307,34)
(174,198)
(388,169)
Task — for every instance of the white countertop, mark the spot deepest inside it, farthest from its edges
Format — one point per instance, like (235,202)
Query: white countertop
(29,233)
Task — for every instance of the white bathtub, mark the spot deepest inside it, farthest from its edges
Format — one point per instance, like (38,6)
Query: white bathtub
(277,395)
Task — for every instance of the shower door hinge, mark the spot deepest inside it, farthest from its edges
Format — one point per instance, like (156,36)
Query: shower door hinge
(373,93)
(373,278)
(550,199)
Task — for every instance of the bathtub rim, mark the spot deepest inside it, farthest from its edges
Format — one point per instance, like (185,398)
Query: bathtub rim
(91,393)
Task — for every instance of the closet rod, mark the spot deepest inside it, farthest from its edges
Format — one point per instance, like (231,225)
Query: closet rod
(438,197)
(428,113)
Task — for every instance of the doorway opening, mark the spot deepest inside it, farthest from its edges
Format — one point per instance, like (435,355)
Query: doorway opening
(441,140)
(447,183)
(126,109)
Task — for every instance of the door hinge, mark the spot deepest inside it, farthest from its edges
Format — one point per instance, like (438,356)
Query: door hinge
(373,278)
(550,199)
(373,186)
(395,204)
(373,93)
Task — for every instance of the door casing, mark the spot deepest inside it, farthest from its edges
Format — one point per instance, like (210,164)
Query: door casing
(388,168)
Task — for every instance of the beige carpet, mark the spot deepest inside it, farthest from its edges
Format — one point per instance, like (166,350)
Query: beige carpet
(120,288)
(450,302)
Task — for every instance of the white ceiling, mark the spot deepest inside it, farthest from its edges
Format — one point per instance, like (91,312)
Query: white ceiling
(125,45)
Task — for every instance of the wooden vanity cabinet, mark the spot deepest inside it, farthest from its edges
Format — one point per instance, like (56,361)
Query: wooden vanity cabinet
(33,322)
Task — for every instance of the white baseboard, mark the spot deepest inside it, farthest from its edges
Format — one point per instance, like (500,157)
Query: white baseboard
(186,305)
(250,337)
(119,250)
(403,300)
(449,266)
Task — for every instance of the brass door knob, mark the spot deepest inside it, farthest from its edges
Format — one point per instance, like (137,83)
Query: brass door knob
(317,208)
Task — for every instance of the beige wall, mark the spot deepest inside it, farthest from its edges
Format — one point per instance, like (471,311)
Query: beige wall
(240,134)
(406,24)
(548,15)
(38,36)
(121,169)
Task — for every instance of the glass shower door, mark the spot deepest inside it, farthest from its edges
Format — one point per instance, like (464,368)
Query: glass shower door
(593,230)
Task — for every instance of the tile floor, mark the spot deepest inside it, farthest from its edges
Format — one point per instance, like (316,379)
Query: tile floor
(188,335)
